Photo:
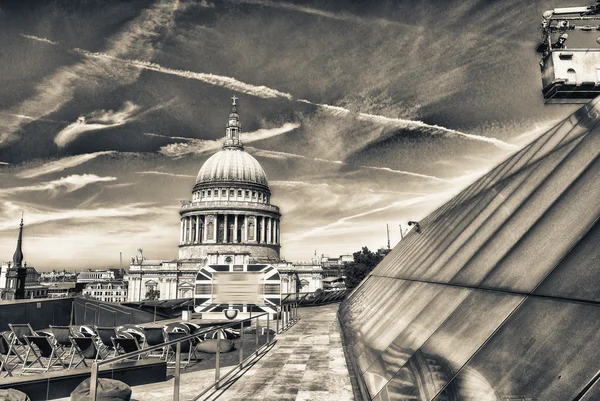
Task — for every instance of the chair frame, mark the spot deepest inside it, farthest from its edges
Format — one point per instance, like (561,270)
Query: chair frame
(63,344)
(107,342)
(118,346)
(5,358)
(17,341)
(80,352)
(53,358)
(171,350)
(155,354)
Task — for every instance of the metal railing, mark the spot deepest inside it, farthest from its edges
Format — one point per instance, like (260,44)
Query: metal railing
(314,298)
(96,308)
(229,203)
(177,374)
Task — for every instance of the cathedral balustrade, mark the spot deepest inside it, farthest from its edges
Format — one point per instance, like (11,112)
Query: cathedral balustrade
(203,205)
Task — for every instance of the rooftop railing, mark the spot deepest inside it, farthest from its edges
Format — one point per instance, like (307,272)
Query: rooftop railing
(289,317)
(223,203)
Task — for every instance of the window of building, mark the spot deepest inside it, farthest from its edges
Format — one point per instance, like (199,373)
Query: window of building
(247,194)
(224,193)
(203,194)
(208,194)
(231,192)
(239,192)
(254,194)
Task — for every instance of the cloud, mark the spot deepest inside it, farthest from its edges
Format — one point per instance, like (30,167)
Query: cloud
(264,133)
(435,197)
(68,184)
(389,170)
(409,124)
(37,38)
(34,216)
(202,146)
(272,154)
(4,163)
(324,13)
(61,164)
(212,79)
(97,120)
(166,174)
(135,40)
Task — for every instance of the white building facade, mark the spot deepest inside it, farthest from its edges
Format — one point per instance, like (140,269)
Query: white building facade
(229,221)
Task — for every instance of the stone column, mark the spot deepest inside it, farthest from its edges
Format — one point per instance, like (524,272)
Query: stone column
(185,223)
(262,230)
(226,229)
(270,231)
(197,228)
(204,230)
(244,238)
(235,228)
(215,230)
(255,229)
(189,233)
(181,232)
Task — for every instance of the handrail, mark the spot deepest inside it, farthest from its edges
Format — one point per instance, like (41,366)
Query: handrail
(177,342)
(107,308)
(167,343)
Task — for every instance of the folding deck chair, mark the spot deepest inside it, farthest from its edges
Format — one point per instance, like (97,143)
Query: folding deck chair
(61,338)
(155,336)
(5,355)
(85,348)
(17,340)
(126,345)
(46,349)
(187,347)
(105,334)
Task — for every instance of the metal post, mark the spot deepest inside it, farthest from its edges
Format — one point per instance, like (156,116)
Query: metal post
(242,346)
(257,327)
(217,362)
(268,328)
(277,316)
(177,372)
(94,381)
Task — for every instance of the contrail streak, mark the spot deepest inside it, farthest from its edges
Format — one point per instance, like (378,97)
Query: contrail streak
(217,80)
(399,122)
(38,39)
(266,93)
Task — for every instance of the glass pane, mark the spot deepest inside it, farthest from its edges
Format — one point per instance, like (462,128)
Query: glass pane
(547,350)
(453,344)
(519,213)
(577,274)
(435,304)
(558,229)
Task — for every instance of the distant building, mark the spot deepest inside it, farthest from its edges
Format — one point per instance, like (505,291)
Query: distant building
(63,289)
(14,276)
(229,225)
(58,276)
(91,276)
(106,291)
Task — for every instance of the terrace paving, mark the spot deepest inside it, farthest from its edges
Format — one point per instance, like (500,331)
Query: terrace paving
(306,363)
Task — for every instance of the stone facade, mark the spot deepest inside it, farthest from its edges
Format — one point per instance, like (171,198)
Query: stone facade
(228,221)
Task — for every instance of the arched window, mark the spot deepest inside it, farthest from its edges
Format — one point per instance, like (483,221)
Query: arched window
(251,231)
(571,76)
(210,230)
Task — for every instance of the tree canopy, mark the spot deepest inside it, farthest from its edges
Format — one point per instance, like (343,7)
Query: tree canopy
(364,261)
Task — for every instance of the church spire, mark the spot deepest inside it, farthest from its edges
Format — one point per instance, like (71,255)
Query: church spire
(232,134)
(18,255)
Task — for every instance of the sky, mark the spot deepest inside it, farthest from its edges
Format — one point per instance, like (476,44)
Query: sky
(363,114)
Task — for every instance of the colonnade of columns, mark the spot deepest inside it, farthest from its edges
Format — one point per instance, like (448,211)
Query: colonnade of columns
(223,228)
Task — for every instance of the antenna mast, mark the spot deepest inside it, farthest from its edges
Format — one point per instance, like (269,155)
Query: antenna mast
(387,226)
